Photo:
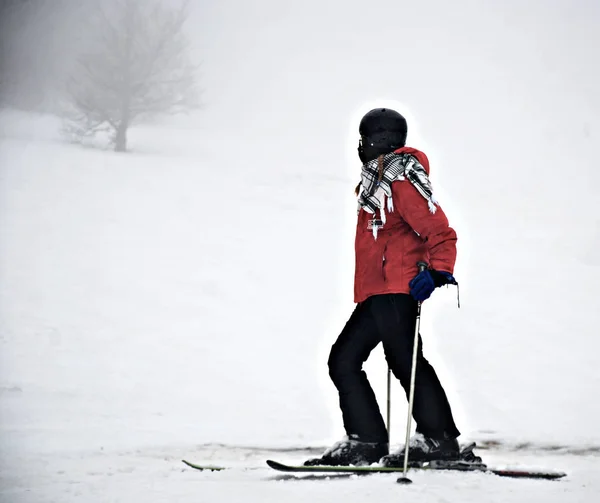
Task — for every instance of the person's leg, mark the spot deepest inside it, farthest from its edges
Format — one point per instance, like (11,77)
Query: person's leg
(395,315)
(360,410)
(366,440)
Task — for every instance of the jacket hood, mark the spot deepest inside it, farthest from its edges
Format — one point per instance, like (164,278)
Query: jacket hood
(421,157)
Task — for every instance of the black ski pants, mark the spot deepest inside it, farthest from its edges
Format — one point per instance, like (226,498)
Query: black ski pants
(390,319)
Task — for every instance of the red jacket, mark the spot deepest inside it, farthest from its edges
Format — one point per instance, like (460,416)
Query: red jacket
(411,233)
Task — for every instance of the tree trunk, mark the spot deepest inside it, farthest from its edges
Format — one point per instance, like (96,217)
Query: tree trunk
(121,137)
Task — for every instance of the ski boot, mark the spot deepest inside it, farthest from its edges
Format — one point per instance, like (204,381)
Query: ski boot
(422,449)
(467,461)
(351,452)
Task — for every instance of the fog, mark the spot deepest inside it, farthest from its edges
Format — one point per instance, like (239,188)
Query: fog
(484,80)
(479,78)
(502,96)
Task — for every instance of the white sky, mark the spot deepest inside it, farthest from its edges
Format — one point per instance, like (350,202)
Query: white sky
(471,71)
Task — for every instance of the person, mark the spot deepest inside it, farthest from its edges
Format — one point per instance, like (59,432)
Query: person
(400,223)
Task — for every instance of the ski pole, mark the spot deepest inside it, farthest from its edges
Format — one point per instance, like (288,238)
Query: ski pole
(413,372)
(389,404)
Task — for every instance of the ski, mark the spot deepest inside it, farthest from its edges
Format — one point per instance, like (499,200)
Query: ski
(383,469)
(467,462)
(358,470)
(208,468)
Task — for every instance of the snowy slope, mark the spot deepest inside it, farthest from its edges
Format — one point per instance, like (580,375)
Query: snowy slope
(147,288)
(157,475)
(187,293)
(147,302)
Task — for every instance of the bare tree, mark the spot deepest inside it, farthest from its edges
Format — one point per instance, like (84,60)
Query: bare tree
(139,69)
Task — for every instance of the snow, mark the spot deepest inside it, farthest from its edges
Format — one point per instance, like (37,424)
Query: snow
(149,307)
(179,301)
(154,474)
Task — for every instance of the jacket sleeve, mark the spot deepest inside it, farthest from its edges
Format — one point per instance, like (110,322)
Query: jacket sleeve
(434,228)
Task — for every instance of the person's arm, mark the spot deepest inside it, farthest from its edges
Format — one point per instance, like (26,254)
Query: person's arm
(433,228)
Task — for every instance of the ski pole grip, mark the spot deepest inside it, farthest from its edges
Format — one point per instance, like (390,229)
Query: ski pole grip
(422,265)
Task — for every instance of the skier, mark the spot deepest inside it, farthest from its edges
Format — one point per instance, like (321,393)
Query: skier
(399,224)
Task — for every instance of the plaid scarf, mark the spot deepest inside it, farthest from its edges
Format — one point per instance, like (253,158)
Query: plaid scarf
(376,184)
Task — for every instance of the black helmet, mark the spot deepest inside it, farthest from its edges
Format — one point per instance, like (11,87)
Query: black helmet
(382,130)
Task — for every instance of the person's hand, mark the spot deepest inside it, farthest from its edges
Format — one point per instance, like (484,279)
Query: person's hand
(424,283)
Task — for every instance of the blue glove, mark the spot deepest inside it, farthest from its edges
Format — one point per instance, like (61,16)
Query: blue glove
(424,283)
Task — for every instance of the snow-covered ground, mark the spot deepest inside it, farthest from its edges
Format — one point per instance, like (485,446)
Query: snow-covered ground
(157,475)
(150,305)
